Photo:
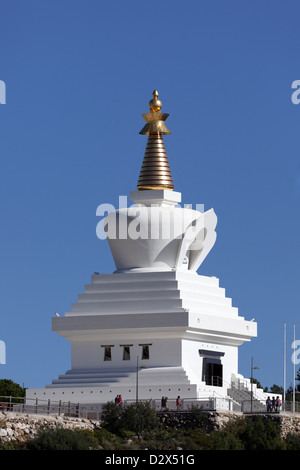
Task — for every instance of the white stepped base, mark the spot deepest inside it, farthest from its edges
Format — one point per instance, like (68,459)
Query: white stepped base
(178,314)
(123,377)
(167,291)
(100,387)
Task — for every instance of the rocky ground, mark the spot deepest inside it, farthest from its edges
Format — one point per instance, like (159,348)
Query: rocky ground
(20,427)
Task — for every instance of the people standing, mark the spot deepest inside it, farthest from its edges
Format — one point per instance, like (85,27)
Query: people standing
(278,404)
(120,402)
(273,404)
(178,404)
(269,404)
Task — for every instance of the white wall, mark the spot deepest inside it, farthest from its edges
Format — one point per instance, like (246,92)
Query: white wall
(90,354)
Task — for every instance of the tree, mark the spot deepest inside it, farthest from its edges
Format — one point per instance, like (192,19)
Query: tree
(225,440)
(111,417)
(290,392)
(261,434)
(276,389)
(140,418)
(8,388)
(258,384)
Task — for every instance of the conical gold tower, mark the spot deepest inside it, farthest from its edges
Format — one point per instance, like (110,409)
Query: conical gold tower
(155,172)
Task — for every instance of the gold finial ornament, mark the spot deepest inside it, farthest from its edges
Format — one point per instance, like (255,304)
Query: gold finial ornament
(155,104)
(155,172)
(155,121)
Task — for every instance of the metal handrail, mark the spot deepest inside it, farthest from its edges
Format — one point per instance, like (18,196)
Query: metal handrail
(51,407)
(94,411)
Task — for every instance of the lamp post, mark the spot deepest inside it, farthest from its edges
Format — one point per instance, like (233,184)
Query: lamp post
(252,368)
(284,364)
(294,373)
(137,379)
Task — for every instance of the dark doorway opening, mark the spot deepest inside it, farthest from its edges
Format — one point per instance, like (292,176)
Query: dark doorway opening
(212,369)
(214,374)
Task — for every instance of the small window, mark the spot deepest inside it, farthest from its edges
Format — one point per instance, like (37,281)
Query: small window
(126,353)
(107,352)
(145,351)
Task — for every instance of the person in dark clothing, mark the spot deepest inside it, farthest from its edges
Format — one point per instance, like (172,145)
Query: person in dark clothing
(273,404)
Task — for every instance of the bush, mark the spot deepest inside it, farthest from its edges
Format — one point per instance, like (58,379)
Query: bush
(199,418)
(261,434)
(109,441)
(225,440)
(292,441)
(111,417)
(62,439)
(10,388)
(197,439)
(12,445)
(139,418)
(249,433)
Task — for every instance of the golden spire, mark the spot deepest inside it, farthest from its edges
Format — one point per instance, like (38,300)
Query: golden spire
(155,172)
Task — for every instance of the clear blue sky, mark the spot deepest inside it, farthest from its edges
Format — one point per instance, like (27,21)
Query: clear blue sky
(78,76)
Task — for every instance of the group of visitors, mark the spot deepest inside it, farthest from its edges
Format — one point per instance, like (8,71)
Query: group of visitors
(118,400)
(273,405)
(164,403)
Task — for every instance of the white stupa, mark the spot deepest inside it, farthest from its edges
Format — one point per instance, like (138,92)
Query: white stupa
(154,327)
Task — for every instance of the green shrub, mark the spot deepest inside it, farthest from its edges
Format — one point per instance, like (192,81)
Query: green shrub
(62,439)
(139,418)
(12,445)
(107,440)
(199,418)
(10,388)
(292,441)
(225,440)
(261,434)
(196,439)
(111,417)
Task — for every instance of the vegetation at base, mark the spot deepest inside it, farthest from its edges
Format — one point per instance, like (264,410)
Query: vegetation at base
(63,439)
(250,433)
(137,427)
(138,430)
(242,433)
(293,441)
(137,418)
